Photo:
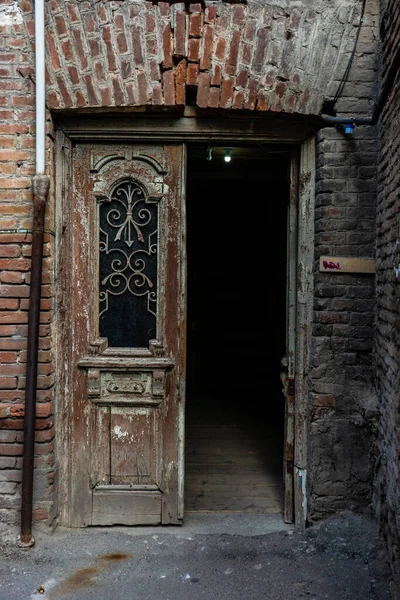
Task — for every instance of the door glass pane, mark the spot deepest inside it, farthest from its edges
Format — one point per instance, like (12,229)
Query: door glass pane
(128,267)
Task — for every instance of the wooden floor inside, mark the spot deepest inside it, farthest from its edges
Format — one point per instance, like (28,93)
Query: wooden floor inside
(233,462)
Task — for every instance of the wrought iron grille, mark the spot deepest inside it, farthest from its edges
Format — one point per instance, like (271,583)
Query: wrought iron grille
(128,267)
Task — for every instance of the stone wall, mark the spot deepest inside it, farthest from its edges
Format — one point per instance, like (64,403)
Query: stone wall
(387,339)
(255,59)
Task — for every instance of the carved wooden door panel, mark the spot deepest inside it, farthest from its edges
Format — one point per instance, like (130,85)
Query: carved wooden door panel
(128,334)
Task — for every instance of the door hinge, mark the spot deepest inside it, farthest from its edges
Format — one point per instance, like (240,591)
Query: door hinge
(291,386)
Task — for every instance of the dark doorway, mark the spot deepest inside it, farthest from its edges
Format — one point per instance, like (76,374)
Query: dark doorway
(236,219)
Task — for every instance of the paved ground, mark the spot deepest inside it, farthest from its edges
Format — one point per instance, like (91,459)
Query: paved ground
(210,557)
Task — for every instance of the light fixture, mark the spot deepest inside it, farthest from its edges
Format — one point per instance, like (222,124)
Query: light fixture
(209,153)
(349,128)
(228,155)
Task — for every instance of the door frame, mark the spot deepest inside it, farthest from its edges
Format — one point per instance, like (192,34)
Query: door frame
(188,129)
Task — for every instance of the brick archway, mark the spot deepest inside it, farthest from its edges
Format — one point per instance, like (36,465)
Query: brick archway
(158,55)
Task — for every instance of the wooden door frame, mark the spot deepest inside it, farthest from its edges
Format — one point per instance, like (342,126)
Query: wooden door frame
(187,129)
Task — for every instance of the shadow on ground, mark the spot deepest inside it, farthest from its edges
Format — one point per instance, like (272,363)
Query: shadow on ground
(212,557)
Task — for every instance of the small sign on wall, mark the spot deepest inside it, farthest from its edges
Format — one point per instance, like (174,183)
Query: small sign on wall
(341,264)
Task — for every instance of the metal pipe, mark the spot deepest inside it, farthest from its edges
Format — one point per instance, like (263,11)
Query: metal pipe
(387,87)
(40,192)
(40,88)
(40,187)
(333,121)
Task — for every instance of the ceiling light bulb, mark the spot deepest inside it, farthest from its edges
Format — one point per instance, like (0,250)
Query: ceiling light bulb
(228,156)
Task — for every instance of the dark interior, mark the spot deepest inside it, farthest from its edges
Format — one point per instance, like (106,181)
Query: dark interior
(236,221)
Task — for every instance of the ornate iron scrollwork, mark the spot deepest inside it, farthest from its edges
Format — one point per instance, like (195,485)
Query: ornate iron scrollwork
(128,267)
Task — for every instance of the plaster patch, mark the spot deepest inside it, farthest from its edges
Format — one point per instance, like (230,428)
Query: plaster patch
(10,15)
(120,433)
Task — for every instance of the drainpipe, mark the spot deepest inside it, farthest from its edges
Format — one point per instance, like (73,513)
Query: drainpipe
(40,187)
(333,121)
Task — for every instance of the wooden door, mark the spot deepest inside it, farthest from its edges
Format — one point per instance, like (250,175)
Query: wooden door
(288,361)
(127,334)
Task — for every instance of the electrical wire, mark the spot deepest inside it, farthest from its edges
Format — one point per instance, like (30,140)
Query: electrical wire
(349,64)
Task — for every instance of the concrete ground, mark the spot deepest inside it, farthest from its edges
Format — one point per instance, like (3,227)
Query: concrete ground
(213,557)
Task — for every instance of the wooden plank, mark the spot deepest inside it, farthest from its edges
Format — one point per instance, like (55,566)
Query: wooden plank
(291,306)
(173,326)
(80,271)
(100,457)
(63,290)
(244,504)
(116,507)
(248,461)
(233,462)
(267,490)
(244,444)
(259,469)
(288,513)
(344,264)
(125,362)
(217,452)
(133,445)
(305,306)
(236,478)
(182,317)
(184,129)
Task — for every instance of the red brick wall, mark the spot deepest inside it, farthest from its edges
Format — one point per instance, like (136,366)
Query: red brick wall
(258,57)
(17,155)
(387,341)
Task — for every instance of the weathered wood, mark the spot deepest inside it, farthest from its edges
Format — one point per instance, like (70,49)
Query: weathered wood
(236,479)
(123,415)
(224,442)
(182,129)
(116,507)
(344,264)
(79,270)
(261,490)
(271,470)
(182,318)
(233,464)
(62,329)
(243,504)
(172,415)
(288,513)
(133,446)
(100,471)
(174,323)
(289,380)
(125,362)
(305,300)
(250,461)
